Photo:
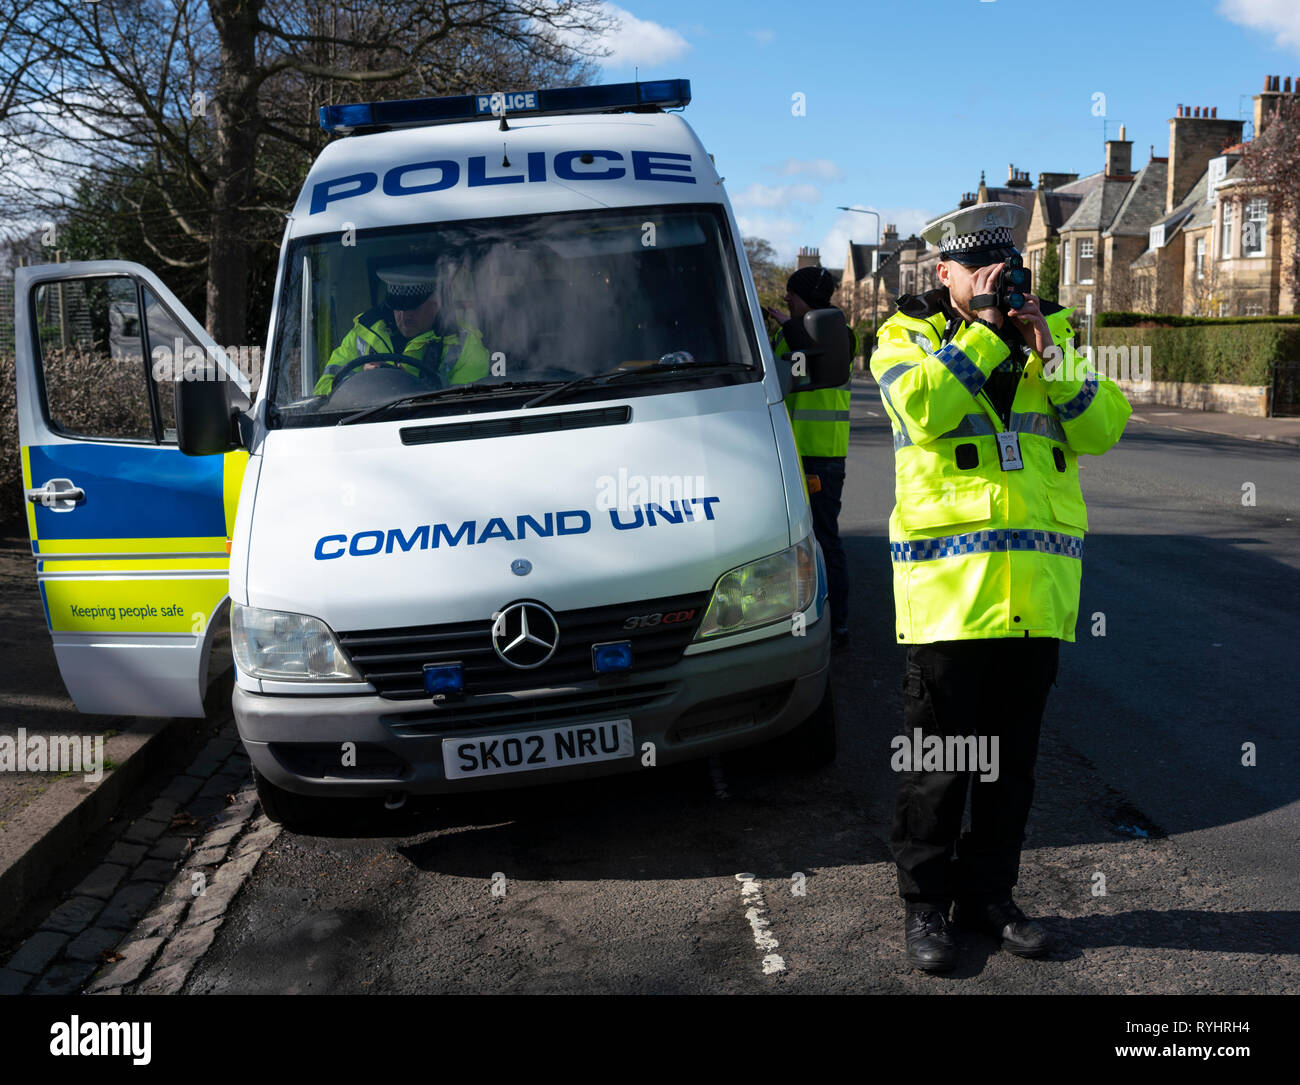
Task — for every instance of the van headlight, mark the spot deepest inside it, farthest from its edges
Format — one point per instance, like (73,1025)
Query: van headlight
(771,589)
(287,647)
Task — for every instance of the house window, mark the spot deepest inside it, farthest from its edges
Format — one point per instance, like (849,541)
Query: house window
(1227,230)
(1065,263)
(1254,310)
(1035,260)
(1200,258)
(1085,259)
(1252,230)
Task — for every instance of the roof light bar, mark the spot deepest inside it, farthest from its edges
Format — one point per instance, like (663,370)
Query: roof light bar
(412,112)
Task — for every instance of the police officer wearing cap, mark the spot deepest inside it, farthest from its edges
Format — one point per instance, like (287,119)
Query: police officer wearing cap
(820,421)
(411,322)
(989,414)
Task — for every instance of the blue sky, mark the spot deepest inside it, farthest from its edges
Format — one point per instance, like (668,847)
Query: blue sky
(907,102)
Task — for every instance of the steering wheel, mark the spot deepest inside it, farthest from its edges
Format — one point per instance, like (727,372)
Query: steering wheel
(390,359)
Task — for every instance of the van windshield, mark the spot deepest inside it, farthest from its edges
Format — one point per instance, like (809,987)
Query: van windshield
(491,312)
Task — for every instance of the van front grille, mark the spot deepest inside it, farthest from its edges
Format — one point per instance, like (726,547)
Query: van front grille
(506,712)
(393,660)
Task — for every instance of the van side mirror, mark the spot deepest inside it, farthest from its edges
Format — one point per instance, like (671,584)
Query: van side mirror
(208,406)
(828,357)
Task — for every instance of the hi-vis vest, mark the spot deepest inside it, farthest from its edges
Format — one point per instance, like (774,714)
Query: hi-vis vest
(459,356)
(820,419)
(979,551)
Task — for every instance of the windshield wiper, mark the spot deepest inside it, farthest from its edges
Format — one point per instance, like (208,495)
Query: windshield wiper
(597,379)
(455,390)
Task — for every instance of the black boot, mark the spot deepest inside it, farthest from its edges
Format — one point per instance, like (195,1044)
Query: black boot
(930,942)
(1003,919)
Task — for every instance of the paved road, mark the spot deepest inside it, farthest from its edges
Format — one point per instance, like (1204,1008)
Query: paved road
(631,885)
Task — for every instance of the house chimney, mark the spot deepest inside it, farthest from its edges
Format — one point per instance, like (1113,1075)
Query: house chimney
(809,256)
(1050,181)
(1119,156)
(890,236)
(1266,103)
(1193,141)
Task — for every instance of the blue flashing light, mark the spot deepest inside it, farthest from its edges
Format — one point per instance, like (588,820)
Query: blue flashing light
(444,678)
(411,112)
(611,657)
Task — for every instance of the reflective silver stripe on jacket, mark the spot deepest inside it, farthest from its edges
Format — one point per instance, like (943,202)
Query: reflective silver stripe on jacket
(1044,425)
(973,425)
(979,425)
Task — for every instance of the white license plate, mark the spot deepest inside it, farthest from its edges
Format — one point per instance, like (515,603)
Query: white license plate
(549,748)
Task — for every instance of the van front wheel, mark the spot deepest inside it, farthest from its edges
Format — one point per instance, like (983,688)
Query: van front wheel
(812,743)
(295,812)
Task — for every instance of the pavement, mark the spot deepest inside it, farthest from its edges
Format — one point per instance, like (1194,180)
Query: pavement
(150,908)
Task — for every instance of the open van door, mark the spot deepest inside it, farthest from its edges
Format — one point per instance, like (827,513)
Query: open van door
(131,537)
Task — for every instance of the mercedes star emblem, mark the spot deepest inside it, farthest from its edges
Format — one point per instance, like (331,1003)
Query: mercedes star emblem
(525,635)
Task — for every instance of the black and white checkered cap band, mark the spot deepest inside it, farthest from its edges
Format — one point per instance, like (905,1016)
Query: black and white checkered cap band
(980,239)
(410,290)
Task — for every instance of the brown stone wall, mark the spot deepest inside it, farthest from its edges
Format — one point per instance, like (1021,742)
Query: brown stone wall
(1244,399)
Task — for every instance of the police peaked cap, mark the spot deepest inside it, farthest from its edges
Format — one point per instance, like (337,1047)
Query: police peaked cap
(408,285)
(976,235)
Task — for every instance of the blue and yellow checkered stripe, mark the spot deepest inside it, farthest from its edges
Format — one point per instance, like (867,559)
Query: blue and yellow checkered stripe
(989,541)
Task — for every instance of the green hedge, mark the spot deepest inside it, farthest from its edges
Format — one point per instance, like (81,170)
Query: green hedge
(1174,320)
(1241,351)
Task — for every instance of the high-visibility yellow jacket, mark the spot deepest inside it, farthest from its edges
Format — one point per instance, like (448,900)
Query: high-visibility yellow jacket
(820,419)
(459,356)
(979,551)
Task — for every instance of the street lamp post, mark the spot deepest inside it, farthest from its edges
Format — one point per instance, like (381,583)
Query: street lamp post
(875,270)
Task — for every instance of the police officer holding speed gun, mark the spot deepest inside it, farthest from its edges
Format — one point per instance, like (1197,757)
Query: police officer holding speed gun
(986,541)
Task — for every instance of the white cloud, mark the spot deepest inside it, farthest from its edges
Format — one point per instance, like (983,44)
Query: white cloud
(784,234)
(850,226)
(633,42)
(1281,18)
(821,168)
(759,195)
(763,37)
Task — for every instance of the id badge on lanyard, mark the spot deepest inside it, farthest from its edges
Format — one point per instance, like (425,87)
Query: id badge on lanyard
(1009,452)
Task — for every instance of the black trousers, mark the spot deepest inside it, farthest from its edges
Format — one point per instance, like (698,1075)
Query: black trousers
(987,688)
(825,504)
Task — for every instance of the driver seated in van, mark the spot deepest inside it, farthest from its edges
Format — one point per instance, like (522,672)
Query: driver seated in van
(411,320)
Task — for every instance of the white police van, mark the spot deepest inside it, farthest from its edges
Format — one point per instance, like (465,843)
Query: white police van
(567,536)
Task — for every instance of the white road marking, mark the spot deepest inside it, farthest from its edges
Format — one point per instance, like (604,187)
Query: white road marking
(874,414)
(751,893)
(1165,414)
